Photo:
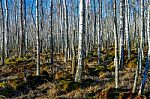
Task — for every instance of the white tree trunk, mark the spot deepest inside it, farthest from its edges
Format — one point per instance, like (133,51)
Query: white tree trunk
(51,35)
(116,59)
(66,30)
(6,28)
(142,30)
(80,46)
(37,38)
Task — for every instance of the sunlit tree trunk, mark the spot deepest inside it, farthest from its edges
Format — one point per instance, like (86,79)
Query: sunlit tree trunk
(142,30)
(51,35)
(66,30)
(37,38)
(6,28)
(73,40)
(116,59)
(81,35)
(87,40)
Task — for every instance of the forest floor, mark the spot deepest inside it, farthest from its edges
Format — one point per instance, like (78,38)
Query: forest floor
(18,79)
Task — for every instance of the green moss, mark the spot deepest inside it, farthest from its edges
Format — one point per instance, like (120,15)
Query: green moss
(10,61)
(2,84)
(21,59)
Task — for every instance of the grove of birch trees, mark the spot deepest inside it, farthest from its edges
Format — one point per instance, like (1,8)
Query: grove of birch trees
(74,29)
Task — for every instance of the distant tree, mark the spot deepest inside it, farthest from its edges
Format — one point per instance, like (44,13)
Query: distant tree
(22,33)
(3,32)
(66,30)
(25,27)
(95,23)
(127,19)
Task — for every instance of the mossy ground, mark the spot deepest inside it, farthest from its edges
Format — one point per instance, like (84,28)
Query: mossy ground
(57,81)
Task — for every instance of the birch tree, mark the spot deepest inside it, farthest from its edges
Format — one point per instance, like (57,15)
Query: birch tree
(80,46)
(94,34)
(122,24)
(22,35)
(51,35)
(116,59)
(99,31)
(3,31)
(37,38)
(145,74)
(6,28)
(25,30)
(127,18)
(142,30)
(66,30)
